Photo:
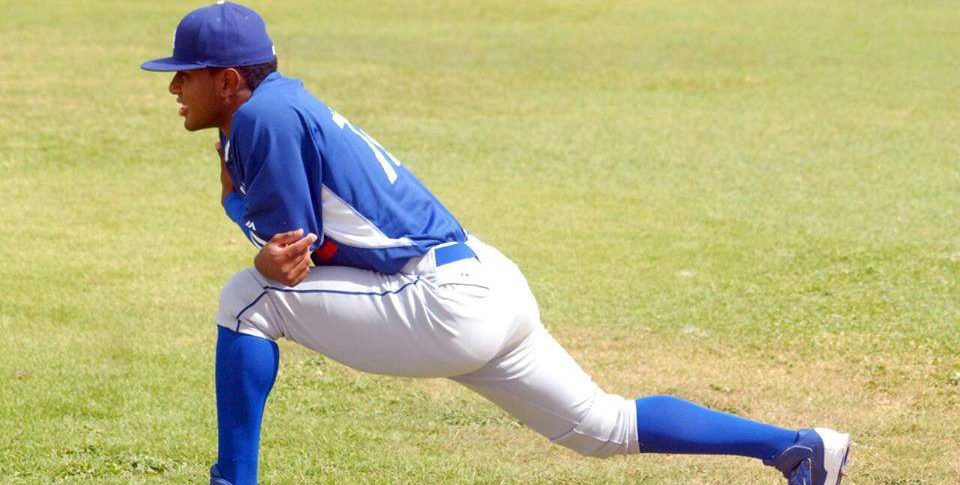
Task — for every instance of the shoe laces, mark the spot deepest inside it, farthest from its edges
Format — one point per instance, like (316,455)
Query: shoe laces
(801,475)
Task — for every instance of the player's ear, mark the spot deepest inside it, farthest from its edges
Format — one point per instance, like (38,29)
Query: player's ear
(230,82)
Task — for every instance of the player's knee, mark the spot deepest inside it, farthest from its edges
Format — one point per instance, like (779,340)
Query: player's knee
(608,428)
(238,308)
(237,290)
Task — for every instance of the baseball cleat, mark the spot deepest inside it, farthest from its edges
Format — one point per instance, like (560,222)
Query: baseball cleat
(819,457)
(216,478)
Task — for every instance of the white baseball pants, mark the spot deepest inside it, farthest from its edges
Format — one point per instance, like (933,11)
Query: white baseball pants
(474,321)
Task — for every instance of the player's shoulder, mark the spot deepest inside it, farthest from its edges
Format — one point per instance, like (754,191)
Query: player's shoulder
(278,102)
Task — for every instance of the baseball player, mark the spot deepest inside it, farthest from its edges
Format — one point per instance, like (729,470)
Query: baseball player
(357,260)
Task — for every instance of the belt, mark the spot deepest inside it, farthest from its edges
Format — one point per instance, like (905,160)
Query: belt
(452,253)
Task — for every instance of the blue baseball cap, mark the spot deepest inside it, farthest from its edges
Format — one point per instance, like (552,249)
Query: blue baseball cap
(224,34)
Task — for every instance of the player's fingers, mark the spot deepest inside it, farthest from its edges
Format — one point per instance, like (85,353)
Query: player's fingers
(299,276)
(306,261)
(294,272)
(284,238)
(302,245)
(293,263)
(296,262)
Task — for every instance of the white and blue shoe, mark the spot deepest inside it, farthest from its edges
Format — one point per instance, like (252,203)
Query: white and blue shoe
(216,478)
(819,457)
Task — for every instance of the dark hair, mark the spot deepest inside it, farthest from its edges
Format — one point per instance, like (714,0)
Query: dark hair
(253,75)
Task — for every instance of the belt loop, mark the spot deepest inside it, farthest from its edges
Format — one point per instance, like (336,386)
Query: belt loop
(452,253)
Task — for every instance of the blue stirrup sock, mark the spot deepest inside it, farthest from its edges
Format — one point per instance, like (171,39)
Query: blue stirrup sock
(671,425)
(246,370)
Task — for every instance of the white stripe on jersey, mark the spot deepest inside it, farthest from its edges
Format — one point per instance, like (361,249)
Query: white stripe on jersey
(256,240)
(345,224)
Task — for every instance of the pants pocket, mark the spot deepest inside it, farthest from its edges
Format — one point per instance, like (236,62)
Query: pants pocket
(463,278)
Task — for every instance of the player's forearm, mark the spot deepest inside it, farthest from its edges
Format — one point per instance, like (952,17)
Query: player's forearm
(231,200)
(226,182)
(234,207)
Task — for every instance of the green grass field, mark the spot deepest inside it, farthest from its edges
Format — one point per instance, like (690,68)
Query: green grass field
(750,204)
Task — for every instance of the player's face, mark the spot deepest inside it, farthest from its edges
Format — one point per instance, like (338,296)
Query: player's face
(199,104)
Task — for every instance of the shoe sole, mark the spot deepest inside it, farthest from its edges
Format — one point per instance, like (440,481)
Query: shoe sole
(836,450)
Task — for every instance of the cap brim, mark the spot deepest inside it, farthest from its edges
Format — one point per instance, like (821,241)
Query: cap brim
(169,64)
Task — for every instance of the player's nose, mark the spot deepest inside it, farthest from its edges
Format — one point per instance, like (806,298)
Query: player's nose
(174,87)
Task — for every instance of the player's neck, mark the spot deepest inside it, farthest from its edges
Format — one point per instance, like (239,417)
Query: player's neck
(231,107)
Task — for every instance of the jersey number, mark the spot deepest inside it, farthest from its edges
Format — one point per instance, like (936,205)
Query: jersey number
(382,155)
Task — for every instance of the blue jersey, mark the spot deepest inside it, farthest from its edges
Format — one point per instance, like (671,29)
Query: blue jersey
(297,164)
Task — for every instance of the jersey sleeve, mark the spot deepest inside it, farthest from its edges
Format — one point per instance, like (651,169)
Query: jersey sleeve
(234,207)
(279,170)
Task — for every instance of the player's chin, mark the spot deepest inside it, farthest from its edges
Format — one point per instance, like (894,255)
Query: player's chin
(192,125)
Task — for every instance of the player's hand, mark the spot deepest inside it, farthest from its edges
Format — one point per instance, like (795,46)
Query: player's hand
(286,258)
(226,183)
